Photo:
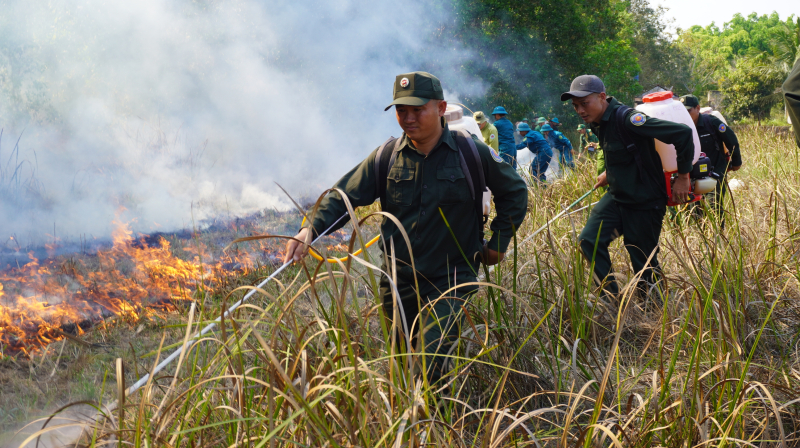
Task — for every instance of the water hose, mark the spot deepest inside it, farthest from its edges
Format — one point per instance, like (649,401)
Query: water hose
(547,224)
(316,255)
(193,340)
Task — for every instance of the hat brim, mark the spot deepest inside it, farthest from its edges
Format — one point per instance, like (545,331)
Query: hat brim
(575,93)
(408,101)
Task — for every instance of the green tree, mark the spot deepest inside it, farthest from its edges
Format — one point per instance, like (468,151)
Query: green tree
(707,58)
(528,52)
(662,61)
(749,90)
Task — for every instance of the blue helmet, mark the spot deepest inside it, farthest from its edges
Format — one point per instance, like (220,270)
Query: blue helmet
(554,120)
(523,127)
(546,128)
(499,110)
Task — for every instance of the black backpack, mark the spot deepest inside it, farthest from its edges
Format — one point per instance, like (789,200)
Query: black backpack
(470,165)
(717,144)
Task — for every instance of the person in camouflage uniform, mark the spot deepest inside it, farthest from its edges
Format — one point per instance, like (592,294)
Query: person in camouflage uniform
(425,185)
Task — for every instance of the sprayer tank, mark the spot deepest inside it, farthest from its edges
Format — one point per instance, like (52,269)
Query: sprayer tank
(661,105)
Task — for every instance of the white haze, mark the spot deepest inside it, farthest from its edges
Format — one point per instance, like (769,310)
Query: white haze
(164,112)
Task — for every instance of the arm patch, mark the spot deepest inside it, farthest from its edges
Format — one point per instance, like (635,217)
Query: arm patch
(638,119)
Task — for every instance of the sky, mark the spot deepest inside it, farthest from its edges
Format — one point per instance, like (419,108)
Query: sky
(692,12)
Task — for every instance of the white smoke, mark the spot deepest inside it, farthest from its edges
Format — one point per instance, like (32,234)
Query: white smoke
(176,110)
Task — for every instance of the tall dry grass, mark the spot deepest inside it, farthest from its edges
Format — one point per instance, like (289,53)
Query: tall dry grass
(711,361)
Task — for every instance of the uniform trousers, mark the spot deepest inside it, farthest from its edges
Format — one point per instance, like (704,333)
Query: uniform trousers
(714,200)
(437,327)
(539,166)
(565,158)
(509,155)
(640,230)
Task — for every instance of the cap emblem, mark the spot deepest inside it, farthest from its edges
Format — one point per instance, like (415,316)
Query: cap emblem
(404,83)
(492,137)
(638,119)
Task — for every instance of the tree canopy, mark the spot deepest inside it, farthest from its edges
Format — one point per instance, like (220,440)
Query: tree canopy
(527,53)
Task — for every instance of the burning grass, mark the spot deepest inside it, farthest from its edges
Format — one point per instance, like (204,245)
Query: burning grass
(711,362)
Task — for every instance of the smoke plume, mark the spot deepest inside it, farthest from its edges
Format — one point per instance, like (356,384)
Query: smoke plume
(172,111)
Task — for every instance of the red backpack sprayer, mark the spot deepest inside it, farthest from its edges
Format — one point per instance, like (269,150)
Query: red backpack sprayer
(661,105)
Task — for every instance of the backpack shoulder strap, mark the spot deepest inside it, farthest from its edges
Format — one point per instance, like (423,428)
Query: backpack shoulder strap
(717,144)
(627,138)
(384,159)
(472,167)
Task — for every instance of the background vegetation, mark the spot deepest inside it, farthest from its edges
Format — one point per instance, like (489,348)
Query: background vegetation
(529,52)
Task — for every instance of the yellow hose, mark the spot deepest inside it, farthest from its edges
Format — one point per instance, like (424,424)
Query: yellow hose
(314,254)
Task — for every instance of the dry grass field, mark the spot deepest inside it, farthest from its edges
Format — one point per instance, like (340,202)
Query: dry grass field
(711,361)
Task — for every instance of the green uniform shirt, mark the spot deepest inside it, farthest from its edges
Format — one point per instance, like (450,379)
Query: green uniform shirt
(490,136)
(601,162)
(626,185)
(417,187)
(725,136)
(587,138)
(791,93)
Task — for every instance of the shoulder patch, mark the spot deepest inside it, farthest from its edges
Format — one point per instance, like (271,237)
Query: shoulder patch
(492,137)
(722,127)
(638,119)
(496,156)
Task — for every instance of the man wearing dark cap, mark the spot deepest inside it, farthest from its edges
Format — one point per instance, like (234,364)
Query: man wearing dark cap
(720,144)
(636,200)
(425,181)
(791,93)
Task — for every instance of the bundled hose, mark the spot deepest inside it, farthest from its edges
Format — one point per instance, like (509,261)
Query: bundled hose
(318,256)
(563,212)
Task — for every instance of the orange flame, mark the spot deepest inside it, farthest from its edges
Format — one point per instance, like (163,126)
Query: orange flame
(40,301)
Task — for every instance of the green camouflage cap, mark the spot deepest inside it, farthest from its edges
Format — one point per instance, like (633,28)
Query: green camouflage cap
(416,89)
(541,120)
(581,126)
(690,101)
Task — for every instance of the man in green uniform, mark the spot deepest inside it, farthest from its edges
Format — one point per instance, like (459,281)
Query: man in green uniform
(791,93)
(539,123)
(425,184)
(589,142)
(720,145)
(636,200)
(488,131)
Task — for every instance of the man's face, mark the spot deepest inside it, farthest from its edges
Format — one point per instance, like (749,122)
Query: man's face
(497,117)
(546,133)
(421,122)
(591,107)
(523,133)
(581,131)
(483,125)
(695,113)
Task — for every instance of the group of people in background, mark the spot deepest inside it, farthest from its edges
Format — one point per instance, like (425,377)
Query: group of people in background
(540,140)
